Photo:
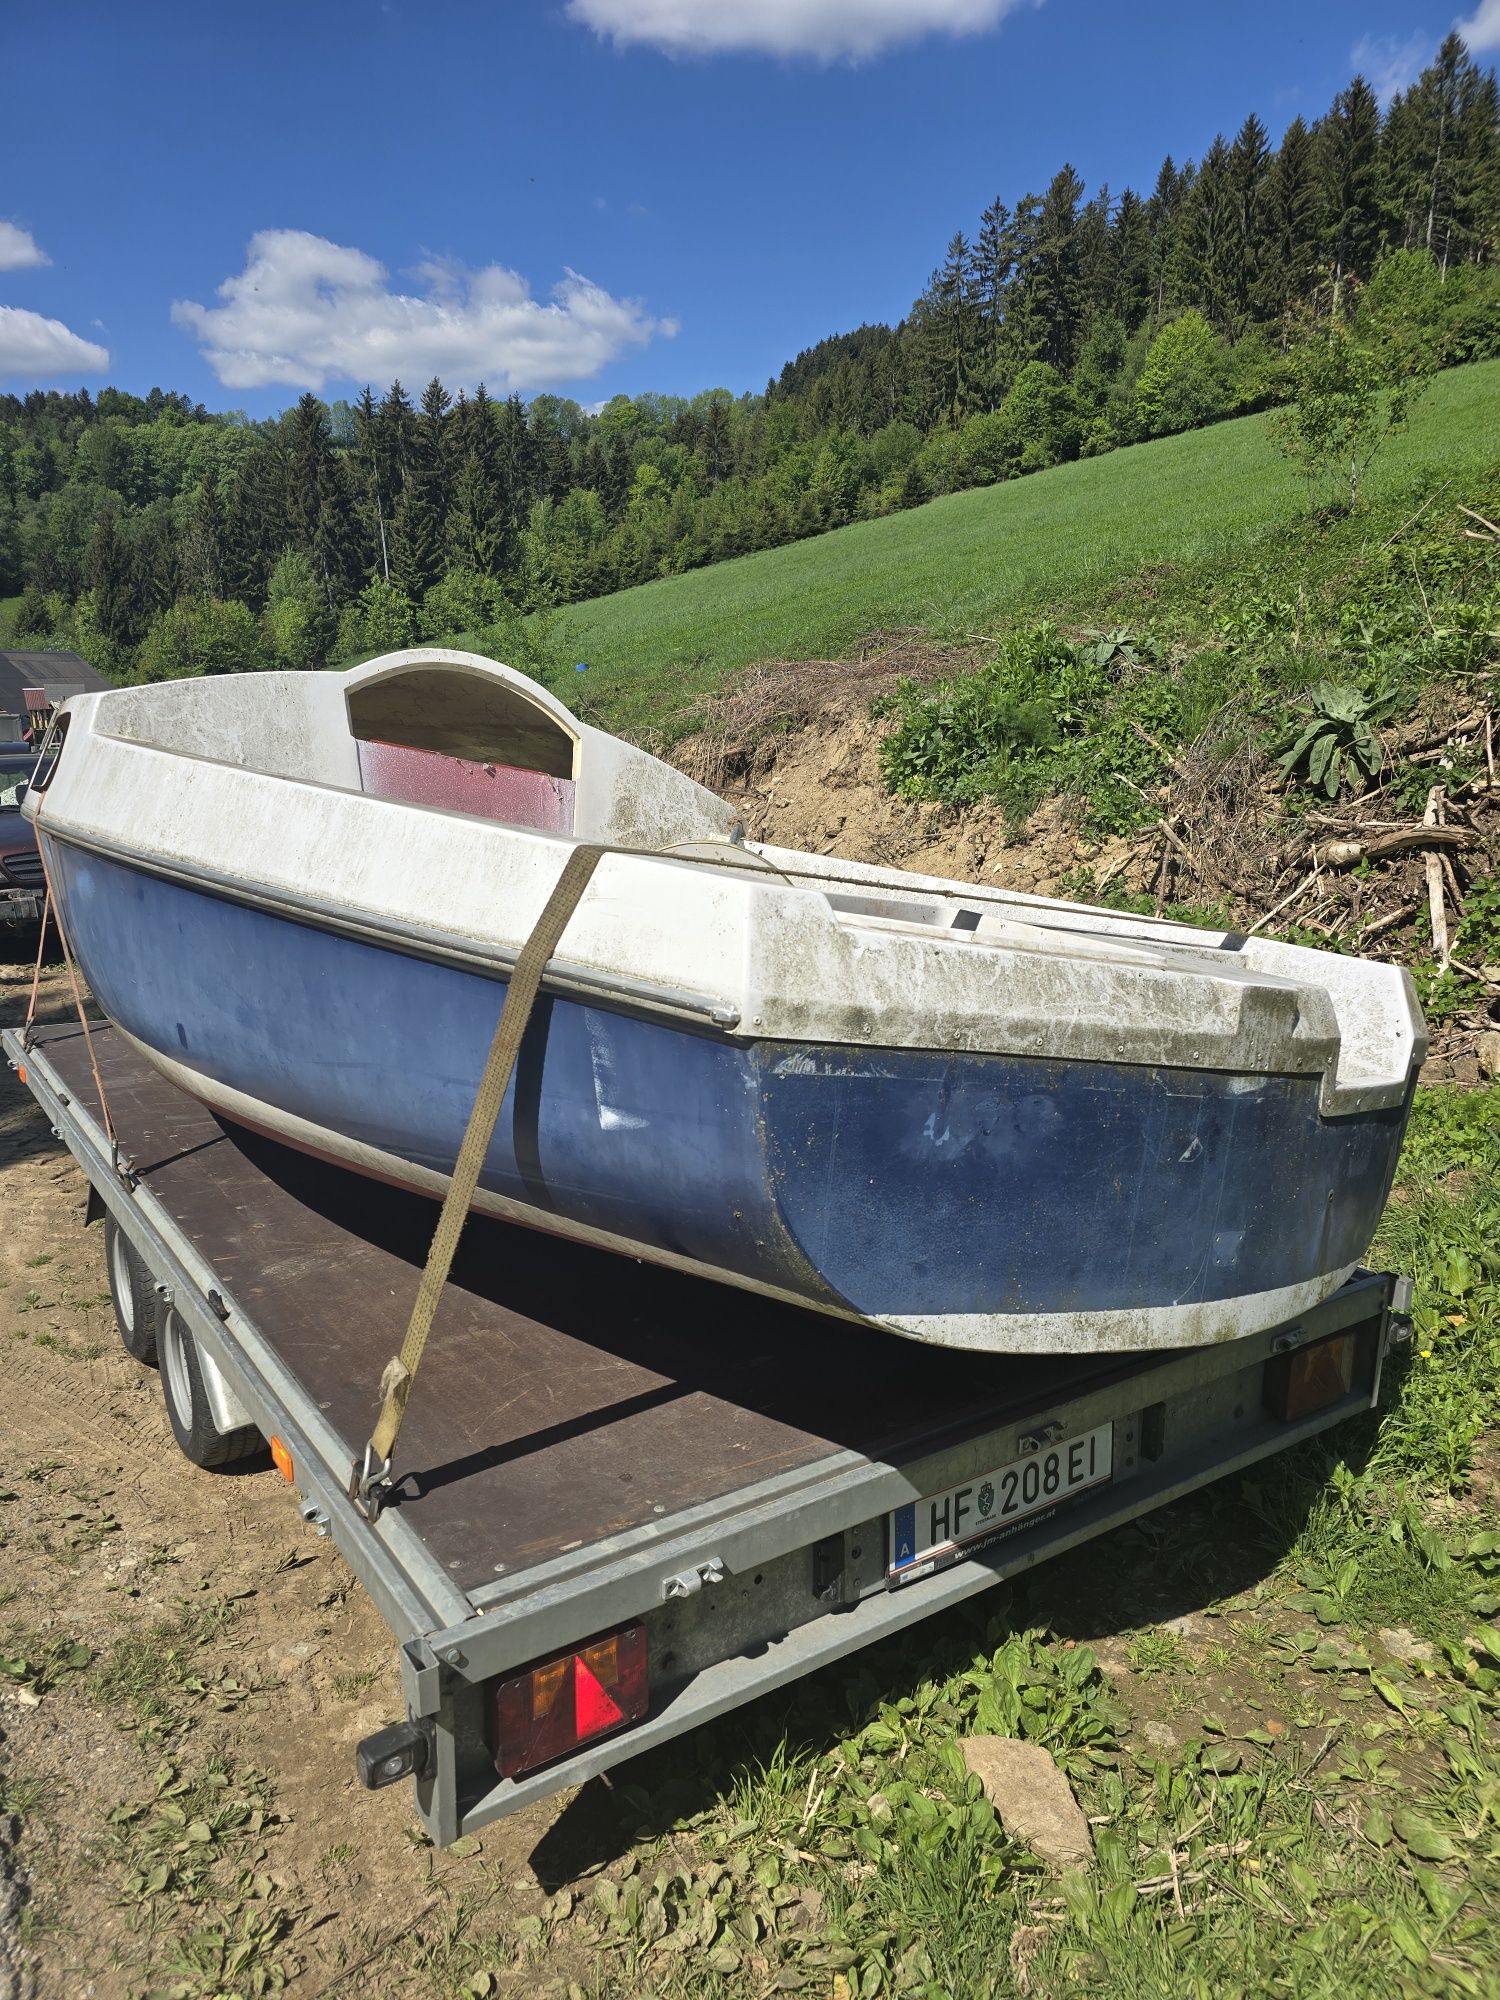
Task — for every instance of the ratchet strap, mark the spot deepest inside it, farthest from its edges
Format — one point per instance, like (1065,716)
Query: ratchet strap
(370,1479)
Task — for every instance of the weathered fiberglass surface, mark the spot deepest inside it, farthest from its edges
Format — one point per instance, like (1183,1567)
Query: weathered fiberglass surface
(896,1183)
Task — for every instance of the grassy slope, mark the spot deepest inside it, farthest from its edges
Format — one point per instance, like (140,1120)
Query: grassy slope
(976,559)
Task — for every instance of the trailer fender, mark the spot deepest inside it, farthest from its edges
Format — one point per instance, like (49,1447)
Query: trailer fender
(226,1409)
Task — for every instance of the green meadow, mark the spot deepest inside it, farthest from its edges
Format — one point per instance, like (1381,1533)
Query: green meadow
(979,560)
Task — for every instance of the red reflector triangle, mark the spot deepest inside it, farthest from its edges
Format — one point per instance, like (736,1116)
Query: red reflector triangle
(593,1708)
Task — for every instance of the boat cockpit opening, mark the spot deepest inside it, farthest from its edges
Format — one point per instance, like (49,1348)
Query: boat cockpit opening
(464,742)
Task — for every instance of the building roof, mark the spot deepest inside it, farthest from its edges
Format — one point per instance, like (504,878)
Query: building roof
(57,674)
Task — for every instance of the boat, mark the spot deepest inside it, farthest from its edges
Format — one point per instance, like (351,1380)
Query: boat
(980,1119)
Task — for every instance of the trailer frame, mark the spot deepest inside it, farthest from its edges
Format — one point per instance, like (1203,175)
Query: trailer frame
(741,1591)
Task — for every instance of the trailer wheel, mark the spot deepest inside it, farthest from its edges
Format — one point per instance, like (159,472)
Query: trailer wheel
(188,1408)
(133,1294)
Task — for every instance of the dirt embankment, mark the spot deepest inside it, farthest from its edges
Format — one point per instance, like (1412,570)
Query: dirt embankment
(795,748)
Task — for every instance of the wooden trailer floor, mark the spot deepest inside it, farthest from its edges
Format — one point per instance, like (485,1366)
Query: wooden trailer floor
(566,1394)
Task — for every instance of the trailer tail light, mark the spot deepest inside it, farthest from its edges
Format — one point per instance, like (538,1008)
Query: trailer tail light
(547,1710)
(1310,1378)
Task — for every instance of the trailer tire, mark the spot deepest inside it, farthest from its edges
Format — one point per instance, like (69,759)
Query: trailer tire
(188,1411)
(133,1294)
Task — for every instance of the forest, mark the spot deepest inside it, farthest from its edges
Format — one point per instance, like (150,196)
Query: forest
(158,538)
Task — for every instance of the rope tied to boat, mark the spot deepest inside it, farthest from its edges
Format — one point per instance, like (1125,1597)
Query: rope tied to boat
(52,908)
(370,1477)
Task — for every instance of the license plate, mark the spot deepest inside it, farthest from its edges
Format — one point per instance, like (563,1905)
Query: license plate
(930,1534)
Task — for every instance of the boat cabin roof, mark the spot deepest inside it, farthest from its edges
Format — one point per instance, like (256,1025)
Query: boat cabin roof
(457,712)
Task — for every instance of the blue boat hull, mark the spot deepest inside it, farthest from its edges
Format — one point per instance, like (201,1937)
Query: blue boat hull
(954,1196)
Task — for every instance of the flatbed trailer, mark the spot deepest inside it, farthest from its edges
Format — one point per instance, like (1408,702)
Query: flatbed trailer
(628,1500)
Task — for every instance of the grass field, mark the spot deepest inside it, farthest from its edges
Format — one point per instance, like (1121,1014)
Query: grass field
(980,559)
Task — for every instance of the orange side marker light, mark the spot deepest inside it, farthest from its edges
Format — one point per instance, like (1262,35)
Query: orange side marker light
(281,1458)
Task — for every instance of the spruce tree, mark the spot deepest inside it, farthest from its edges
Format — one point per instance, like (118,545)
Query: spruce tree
(109,578)
(201,556)
(715,439)
(1132,260)
(993,265)
(1208,254)
(1349,170)
(255,523)
(1250,163)
(396,435)
(155,578)
(319,504)
(514,464)
(945,324)
(1055,283)
(1097,276)
(474,536)
(417,540)
(1288,272)
(1163,219)
(372,487)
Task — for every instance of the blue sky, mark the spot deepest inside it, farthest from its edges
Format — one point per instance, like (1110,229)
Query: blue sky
(393,187)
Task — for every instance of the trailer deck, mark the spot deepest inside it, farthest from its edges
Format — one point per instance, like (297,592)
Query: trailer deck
(594,1441)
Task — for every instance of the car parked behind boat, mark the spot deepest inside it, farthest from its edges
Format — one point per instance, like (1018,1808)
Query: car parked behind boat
(21,886)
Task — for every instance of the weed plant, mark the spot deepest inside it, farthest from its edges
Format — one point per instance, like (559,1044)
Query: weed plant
(1301,670)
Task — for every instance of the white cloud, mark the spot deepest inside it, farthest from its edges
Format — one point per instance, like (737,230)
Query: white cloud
(306,311)
(1482,29)
(37,349)
(19,249)
(1388,63)
(825,29)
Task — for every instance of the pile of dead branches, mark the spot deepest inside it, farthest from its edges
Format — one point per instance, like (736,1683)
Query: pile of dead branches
(1360,873)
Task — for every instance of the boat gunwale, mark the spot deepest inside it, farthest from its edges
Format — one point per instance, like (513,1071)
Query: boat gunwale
(415,940)
(679,1005)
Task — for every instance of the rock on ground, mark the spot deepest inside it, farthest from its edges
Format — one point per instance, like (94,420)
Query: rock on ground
(1033,1799)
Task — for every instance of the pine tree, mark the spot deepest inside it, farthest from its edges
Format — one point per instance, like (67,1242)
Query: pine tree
(109,578)
(396,435)
(1349,170)
(1249,177)
(1208,254)
(514,464)
(201,556)
(992,264)
(319,505)
(715,439)
(1095,249)
(1288,270)
(1055,283)
(374,493)
(945,325)
(1132,260)
(1163,218)
(255,523)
